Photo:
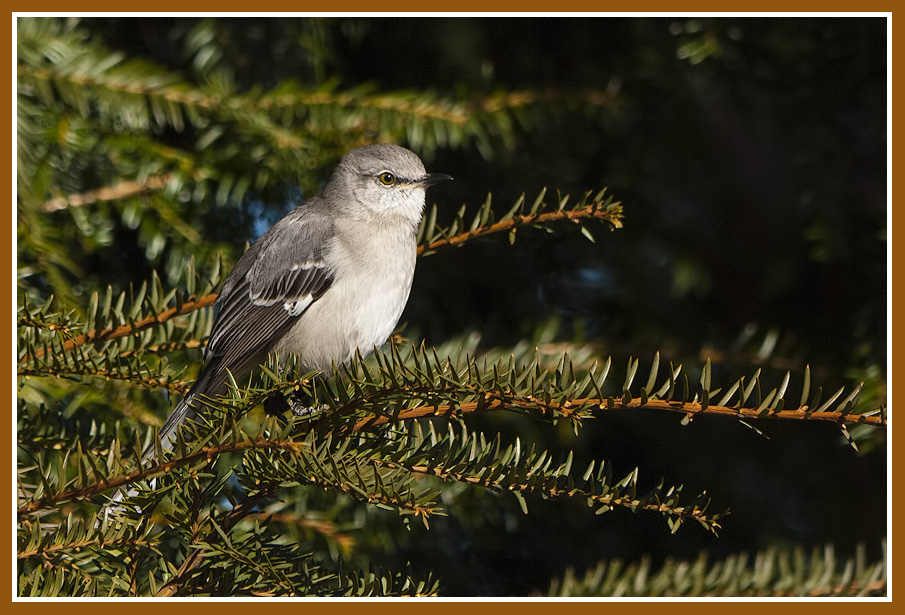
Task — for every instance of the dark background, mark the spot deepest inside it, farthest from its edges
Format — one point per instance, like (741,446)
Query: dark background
(750,156)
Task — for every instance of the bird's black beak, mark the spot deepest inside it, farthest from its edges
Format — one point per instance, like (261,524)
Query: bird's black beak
(434,178)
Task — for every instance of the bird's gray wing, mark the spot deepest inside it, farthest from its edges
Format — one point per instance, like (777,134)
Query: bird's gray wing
(272,285)
(276,280)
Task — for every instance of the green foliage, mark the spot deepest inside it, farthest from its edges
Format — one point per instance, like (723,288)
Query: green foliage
(345,448)
(773,573)
(139,178)
(91,119)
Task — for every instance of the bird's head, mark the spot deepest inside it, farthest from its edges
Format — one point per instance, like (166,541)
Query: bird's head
(382,180)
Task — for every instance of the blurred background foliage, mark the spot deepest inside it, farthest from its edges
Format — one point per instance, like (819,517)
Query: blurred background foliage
(749,153)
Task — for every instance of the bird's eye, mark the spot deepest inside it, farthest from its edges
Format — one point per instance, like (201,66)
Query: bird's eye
(386,178)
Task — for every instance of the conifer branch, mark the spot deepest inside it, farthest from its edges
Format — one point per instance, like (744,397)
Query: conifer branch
(165,348)
(553,491)
(165,91)
(104,80)
(427,107)
(538,214)
(121,190)
(46,551)
(61,371)
(569,407)
(151,320)
(594,211)
(327,529)
(777,573)
(422,109)
(29,321)
(523,98)
(204,453)
(432,387)
(195,556)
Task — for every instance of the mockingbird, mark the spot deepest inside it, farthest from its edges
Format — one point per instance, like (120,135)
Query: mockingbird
(330,277)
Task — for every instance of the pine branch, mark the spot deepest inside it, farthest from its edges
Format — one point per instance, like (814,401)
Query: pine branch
(540,213)
(327,529)
(75,558)
(76,546)
(178,386)
(426,106)
(523,98)
(744,358)
(50,550)
(173,91)
(773,573)
(543,486)
(29,321)
(121,190)
(166,348)
(374,469)
(578,408)
(104,335)
(420,384)
(205,453)
(469,458)
(139,93)
(319,464)
(195,557)
(593,211)
(85,74)
(181,93)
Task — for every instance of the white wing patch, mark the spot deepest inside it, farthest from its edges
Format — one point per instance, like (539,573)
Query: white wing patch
(295,308)
(307,265)
(277,291)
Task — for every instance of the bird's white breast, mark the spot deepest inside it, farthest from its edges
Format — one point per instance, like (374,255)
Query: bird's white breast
(364,303)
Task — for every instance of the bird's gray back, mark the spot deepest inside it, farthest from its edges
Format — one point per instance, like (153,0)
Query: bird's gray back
(272,284)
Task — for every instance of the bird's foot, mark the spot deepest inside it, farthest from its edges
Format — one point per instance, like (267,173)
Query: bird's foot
(299,409)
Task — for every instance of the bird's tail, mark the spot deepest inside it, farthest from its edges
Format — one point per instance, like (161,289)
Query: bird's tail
(184,411)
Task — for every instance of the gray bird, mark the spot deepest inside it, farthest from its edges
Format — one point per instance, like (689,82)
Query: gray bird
(330,277)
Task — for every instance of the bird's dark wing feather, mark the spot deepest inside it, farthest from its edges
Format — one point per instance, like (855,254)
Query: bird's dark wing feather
(274,282)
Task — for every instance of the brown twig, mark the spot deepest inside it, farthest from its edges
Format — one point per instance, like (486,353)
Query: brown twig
(161,468)
(124,330)
(594,210)
(459,114)
(165,348)
(523,98)
(44,551)
(690,409)
(685,512)
(177,386)
(121,190)
(323,527)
